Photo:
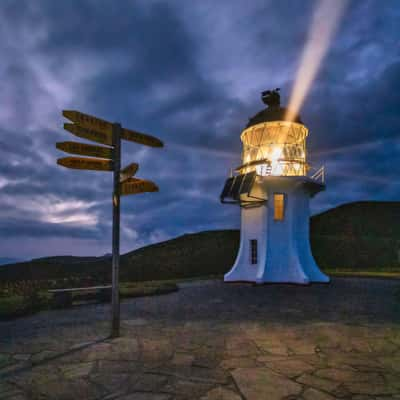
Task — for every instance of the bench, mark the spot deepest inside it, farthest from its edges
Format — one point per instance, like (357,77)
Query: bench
(63,297)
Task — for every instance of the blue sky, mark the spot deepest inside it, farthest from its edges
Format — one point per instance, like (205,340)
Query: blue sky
(191,73)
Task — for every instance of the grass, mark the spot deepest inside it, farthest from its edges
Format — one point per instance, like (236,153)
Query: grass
(13,305)
(17,305)
(393,274)
(151,288)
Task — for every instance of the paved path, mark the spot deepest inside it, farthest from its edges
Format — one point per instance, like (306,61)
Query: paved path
(214,341)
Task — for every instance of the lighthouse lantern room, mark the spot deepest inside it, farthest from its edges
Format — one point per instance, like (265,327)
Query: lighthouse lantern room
(273,187)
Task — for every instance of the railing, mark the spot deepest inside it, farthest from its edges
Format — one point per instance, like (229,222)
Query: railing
(319,175)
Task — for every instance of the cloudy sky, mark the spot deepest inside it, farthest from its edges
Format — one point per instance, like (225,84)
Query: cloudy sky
(191,73)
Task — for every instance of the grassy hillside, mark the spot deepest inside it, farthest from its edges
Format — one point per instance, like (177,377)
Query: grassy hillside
(361,235)
(199,254)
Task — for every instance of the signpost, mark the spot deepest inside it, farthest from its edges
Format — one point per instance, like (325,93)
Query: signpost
(110,134)
(128,171)
(85,149)
(134,186)
(89,134)
(85,163)
(116,133)
(100,125)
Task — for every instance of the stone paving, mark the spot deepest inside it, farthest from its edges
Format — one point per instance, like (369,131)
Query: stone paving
(214,341)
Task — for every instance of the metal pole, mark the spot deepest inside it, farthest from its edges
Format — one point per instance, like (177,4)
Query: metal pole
(116,132)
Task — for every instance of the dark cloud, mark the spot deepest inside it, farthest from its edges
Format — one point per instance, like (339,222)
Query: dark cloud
(191,73)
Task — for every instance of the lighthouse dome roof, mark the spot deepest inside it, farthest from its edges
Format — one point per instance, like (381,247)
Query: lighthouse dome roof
(273,112)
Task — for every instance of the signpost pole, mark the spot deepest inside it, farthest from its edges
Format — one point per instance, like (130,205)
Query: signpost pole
(116,132)
(103,158)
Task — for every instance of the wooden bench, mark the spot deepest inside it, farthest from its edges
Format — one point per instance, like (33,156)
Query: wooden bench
(63,297)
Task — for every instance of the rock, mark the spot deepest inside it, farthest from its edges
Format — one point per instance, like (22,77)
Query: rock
(182,359)
(300,347)
(382,346)
(154,350)
(114,382)
(238,362)
(370,388)
(145,396)
(262,383)
(9,391)
(19,396)
(276,349)
(124,348)
(187,388)
(239,347)
(149,382)
(196,374)
(392,362)
(318,383)
(22,357)
(135,322)
(290,368)
(79,370)
(67,389)
(392,382)
(347,375)
(359,361)
(42,356)
(220,393)
(110,367)
(360,345)
(314,394)
(81,345)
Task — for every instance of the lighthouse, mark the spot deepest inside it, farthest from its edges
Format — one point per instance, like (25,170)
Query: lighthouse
(273,187)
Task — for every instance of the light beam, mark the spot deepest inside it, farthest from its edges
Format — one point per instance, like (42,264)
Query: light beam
(324,22)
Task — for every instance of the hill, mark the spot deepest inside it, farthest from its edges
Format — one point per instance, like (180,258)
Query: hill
(7,260)
(361,235)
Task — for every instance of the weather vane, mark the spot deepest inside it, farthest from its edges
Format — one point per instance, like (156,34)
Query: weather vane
(271,98)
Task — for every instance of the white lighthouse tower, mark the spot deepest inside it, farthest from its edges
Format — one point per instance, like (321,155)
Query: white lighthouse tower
(273,187)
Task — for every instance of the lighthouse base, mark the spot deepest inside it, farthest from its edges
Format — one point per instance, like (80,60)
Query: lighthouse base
(274,244)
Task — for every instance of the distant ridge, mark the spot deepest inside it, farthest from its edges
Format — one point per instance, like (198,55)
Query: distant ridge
(363,235)
(7,260)
(68,259)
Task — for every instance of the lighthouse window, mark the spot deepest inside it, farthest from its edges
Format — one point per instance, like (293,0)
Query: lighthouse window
(253,251)
(279,206)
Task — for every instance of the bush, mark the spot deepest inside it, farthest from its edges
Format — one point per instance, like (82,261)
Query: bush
(138,289)
(13,306)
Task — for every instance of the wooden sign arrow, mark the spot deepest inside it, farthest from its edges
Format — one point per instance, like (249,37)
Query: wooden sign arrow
(85,163)
(85,149)
(142,138)
(89,134)
(103,126)
(135,186)
(128,171)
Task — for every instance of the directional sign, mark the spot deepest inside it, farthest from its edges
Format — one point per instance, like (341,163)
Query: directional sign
(85,163)
(100,125)
(142,138)
(128,171)
(89,134)
(108,159)
(85,149)
(134,186)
